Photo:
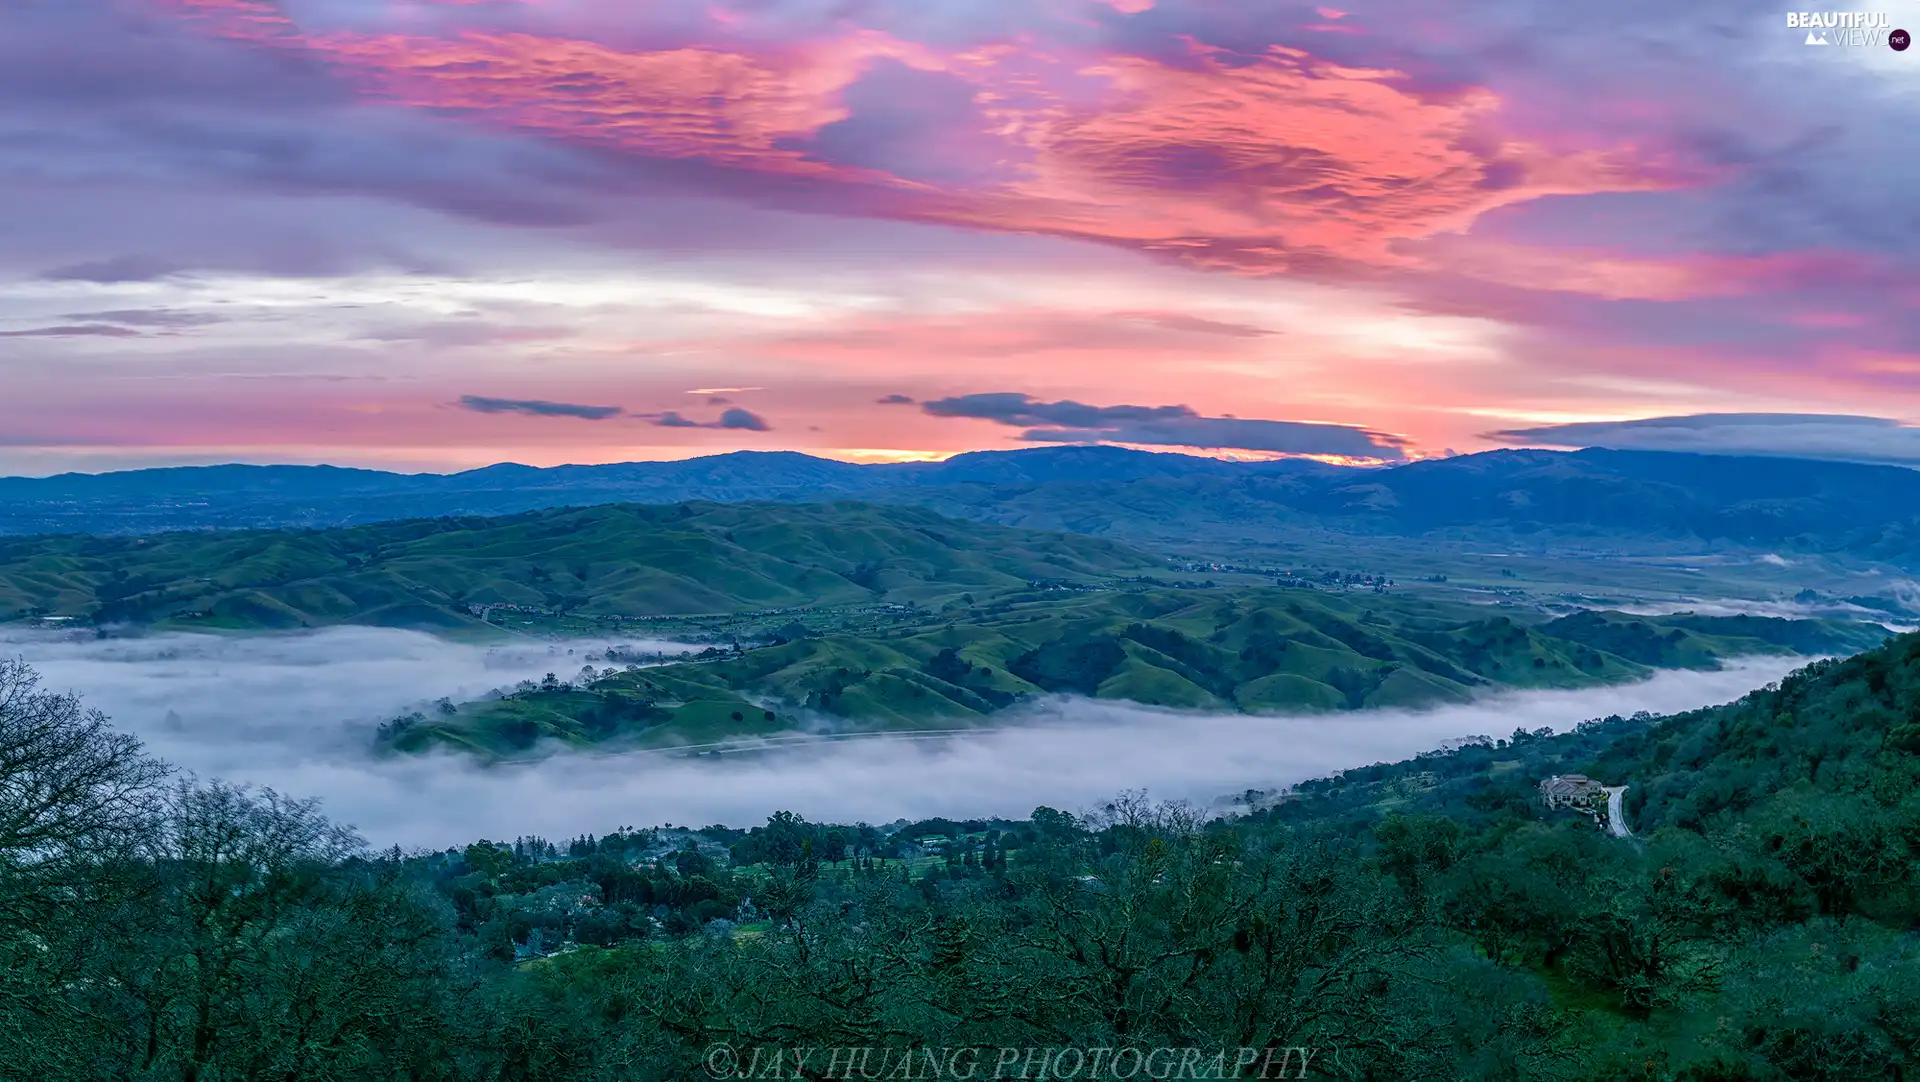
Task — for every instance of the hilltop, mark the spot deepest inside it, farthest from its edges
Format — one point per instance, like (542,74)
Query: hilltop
(1259,650)
(618,560)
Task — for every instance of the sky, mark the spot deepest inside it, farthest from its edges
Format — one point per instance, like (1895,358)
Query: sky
(436,234)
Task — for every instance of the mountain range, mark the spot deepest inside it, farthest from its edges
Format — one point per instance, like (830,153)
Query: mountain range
(1590,496)
(241,496)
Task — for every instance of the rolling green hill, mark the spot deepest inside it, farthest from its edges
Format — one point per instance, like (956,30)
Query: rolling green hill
(1833,727)
(614,560)
(1259,650)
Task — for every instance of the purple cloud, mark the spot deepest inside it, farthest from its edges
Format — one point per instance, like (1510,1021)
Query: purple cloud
(735,418)
(1165,426)
(85,330)
(535,407)
(128,268)
(1791,435)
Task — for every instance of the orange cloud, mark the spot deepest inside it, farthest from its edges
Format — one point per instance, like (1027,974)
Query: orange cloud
(726,108)
(1615,275)
(1886,364)
(1252,165)
(1259,164)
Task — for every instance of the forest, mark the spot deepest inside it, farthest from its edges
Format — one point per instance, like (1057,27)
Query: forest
(1429,919)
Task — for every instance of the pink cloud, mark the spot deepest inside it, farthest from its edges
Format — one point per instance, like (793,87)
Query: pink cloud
(1615,274)
(1826,320)
(1278,162)
(1330,162)
(259,20)
(721,107)
(1256,166)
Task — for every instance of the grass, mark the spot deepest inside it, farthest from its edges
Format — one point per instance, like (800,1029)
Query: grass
(1264,650)
(592,564)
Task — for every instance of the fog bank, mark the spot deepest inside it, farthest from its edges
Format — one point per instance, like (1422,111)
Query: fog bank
(234,705)
(296,712)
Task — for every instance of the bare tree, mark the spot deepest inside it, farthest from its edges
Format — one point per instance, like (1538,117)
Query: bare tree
(73,793)
(75,802)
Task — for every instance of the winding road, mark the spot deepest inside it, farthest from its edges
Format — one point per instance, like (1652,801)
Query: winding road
(1616,814)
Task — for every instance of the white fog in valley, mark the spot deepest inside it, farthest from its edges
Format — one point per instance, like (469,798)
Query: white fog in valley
(297,712)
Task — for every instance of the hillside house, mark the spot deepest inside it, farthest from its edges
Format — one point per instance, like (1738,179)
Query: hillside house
(1573,791)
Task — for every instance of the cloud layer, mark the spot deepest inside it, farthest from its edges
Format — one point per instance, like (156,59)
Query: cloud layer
(1792,435)
(1164,426)
(734,418)
(297,712)
(535,407)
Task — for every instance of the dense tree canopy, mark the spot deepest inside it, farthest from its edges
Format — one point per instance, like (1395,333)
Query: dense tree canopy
(1420,920)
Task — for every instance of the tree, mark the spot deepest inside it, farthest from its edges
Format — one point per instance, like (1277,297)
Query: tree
(265,944)
(1841,845)
(1051,822)
(487,859)
(1642,929)
(73,793)
(949,666)
(74,806)
(1415,849)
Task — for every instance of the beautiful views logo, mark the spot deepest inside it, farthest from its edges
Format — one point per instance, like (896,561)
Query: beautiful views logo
(1845,27)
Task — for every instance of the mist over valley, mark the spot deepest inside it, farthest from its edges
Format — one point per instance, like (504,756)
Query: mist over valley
(297,712)
(1092,541)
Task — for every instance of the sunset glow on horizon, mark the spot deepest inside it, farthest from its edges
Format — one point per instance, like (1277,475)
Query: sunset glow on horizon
(438,234)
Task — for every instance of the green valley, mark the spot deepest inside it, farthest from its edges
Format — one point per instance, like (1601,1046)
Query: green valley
(851,617)
(620,560)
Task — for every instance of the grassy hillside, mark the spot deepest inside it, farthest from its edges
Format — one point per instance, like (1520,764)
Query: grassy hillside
(1258,650)
(1837,736)
(625,560)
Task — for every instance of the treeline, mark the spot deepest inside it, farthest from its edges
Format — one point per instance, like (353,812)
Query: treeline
(1419,920)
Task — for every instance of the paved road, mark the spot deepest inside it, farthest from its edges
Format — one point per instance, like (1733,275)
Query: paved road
(1617,815)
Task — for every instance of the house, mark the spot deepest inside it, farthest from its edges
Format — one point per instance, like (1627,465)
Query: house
(1573,791)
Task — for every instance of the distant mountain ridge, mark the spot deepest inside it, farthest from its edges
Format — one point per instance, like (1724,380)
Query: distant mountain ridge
(1805,505)
(265,497)
(1835,508)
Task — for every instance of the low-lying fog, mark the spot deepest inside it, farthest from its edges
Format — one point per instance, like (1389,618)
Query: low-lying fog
(296,712)
(1727,606)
